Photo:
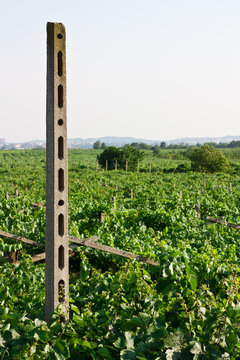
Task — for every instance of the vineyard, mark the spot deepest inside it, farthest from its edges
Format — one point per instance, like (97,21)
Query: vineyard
(187,307)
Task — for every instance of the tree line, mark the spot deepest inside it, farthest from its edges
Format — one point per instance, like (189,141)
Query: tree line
(205,158)
(164,145)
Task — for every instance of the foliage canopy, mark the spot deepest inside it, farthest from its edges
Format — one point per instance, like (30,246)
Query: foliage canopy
(208,159)
(186,308)
(121,155)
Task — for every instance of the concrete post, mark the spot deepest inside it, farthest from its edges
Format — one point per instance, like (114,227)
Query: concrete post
(57,268)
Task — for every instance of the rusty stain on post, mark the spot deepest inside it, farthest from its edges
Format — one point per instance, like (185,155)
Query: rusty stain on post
(57,268)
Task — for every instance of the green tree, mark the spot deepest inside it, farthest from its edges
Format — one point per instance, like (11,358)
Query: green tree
(97,145)
(206,158)
(111,154)
(132,156)
(127,153)
(156,151)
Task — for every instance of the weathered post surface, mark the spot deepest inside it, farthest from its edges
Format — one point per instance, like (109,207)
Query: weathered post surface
(57,268)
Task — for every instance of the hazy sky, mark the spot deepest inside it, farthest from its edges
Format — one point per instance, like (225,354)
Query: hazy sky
(155,69)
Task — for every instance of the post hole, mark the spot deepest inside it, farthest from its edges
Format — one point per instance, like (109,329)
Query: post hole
(60,225)
(61,257)
(60,96)
(60,147)
(60,63)
(61,291)
(60,179)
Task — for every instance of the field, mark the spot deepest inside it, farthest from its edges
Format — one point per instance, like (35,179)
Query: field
(188,307)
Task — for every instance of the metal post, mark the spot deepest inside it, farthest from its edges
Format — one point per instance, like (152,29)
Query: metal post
(57,268)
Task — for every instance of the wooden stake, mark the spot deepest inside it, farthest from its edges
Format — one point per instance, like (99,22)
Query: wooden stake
(114,204)
(93,244)
(102,217)
(198,211)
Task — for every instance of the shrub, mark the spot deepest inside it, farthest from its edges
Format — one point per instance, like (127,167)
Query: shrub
(206,158)
(127,153)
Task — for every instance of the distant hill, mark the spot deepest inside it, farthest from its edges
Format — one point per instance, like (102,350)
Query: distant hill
(109,141)
(120,141)
(202,140)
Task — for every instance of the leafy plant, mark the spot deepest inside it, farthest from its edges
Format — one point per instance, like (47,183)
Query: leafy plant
(208,159)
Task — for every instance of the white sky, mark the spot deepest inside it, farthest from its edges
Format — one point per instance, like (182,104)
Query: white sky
(154,69)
